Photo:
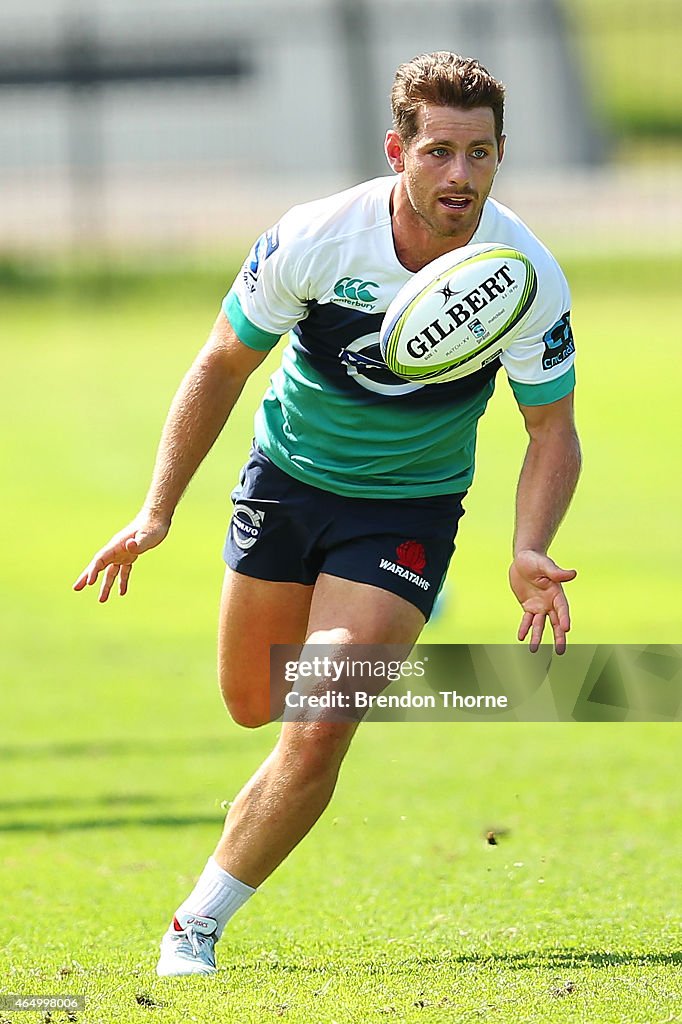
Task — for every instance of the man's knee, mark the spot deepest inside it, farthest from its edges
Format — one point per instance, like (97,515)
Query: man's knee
(247,707)
(247,715)
(314,749)
(253,698)
(250,710)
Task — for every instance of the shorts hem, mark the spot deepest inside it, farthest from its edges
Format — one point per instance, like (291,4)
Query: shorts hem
(243,570)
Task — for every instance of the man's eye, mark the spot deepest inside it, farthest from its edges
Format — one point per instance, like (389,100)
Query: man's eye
(439,151)
(480,154)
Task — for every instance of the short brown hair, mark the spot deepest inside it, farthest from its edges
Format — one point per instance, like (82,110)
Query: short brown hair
(447,80)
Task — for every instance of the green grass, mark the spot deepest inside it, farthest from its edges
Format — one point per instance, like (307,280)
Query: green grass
(117,755)
(395,900)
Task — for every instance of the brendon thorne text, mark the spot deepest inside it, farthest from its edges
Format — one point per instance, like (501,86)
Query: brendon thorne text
(359,699)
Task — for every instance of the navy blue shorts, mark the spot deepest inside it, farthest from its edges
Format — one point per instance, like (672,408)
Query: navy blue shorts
(289,532)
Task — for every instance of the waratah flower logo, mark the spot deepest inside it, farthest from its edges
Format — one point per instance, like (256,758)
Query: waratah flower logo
(411,554)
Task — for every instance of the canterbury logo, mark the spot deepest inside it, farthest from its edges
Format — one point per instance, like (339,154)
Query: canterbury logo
(356,289)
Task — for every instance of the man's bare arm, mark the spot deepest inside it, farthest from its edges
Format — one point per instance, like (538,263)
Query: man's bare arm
(200,408)
(546,485)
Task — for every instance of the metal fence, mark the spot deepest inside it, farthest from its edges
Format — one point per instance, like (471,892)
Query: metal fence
(189,124)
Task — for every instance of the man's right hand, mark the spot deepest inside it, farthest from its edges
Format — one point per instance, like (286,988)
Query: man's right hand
(116,558)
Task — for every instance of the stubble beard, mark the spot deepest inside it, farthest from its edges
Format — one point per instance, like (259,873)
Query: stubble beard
(439,228)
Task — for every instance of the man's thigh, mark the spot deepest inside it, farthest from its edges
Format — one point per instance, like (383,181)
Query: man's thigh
(254,614)
(345,611)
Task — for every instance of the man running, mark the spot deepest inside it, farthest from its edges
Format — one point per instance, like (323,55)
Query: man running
(337,436)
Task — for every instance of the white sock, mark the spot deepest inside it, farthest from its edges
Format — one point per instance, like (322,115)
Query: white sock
(217,894)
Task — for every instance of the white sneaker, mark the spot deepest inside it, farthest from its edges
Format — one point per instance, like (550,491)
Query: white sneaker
(188,947)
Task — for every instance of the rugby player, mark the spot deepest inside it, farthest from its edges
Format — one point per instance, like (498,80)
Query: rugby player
(312,542)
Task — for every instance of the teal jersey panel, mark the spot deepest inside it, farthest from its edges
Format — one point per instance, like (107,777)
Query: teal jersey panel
(390,449)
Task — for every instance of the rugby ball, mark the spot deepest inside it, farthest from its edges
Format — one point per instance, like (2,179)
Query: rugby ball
(458,313)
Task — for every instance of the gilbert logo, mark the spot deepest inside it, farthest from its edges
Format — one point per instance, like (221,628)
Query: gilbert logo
(410,563)
(461,312)
(356,292)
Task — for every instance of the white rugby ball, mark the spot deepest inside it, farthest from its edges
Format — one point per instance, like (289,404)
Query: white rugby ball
(458,313)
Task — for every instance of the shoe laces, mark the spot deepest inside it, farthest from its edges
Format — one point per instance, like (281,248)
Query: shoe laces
(201,945)
(199,941)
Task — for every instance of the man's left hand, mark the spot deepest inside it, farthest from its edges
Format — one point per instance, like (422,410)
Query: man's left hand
(536,581)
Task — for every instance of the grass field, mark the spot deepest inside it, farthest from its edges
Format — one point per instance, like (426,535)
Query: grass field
(117,755)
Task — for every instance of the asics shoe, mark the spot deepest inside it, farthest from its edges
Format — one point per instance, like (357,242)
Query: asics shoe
(188,947)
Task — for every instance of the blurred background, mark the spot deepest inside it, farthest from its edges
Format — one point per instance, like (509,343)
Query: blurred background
(170,127)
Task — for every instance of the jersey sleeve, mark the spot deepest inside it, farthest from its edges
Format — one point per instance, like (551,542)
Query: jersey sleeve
(267,298)
(539,364)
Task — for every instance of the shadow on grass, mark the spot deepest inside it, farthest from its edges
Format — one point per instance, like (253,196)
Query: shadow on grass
(196,745)
(103,800)
(555,959)
(91,824)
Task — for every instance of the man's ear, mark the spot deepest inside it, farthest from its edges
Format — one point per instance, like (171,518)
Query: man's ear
(394,150)
(500,149)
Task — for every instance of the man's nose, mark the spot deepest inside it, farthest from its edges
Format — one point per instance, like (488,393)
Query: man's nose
(458,170)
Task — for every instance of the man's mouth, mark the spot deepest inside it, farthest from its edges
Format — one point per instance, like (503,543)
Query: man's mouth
(455,202)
